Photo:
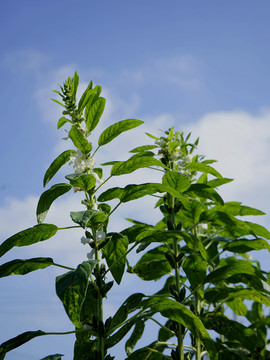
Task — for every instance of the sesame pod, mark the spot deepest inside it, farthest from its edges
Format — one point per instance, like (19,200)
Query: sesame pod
(171,258)
(103,242)
(108,324)
(170,224)
(182,294)
(179,226)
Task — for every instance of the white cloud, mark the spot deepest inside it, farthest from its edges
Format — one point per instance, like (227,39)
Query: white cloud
(241,144)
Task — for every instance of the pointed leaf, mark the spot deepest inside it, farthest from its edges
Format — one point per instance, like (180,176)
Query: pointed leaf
(245,245)
(58,102)
(71,289)
(231,329)
(61,160)
(53,357)
(178,312)
(118,336)
(195,243)
(110,194)
(22,267)
(195,268)
(84,182)
(143,148)
(28,237)
(48,197)
(259,230)
(127,167)
(94,114)
(177,181)
(128,306)
(18,341)
(236,268)
(114,253)
(116,129)
(218,182)
(79,140)
(84,99)
(153,264)
(218,294)
(135,336)
(204,191)
(62,121)
(134,191)
(203,168)
(236,209)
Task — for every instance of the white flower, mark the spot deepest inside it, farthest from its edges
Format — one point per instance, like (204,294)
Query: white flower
(201,229)
(90,163)
(100,235)
(161,142)
(91,254)
(98,179)
(85,240)
(81,163)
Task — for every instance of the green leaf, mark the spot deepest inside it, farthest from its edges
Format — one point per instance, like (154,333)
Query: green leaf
(232,330)
(132,164)
(110,194)
(115,254)
(28,237)
(75,81)
(128,306)
(143,148)
(237,267)
(244,245)
(84,99)
(79,140)
(90,305)
(61,160)
(135,336)
(94,114)
(216,294)
(177,181)
(178,312)
(116,129)
(53,357)
(82,217)
(236,209)
(194,243)
(85,182)
(118,336)
(58,102)
(71,289)
(203,168)
(218,182)
(153,235)
(18,341)
(48,197)
(148,353)
(62,121)
(204,191)
(258,230)
(22,267)
(152,136)
(153,264)
(134,191)
(195,268)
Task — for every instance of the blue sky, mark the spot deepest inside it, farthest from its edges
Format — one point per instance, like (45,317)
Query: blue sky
(201,66)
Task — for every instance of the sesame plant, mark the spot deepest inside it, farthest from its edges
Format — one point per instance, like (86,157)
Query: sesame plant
(213,294)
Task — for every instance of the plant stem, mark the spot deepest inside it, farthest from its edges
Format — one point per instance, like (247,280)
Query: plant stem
(198,311)
(100,308)
(177,284)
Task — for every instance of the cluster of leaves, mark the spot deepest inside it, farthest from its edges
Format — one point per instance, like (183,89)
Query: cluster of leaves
(199,247)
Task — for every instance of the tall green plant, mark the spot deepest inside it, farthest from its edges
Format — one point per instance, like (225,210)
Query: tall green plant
(199,247)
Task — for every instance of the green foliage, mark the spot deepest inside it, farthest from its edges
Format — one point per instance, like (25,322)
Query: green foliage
(197,251)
